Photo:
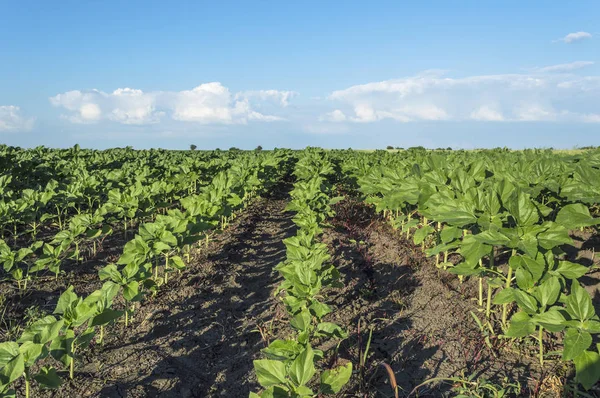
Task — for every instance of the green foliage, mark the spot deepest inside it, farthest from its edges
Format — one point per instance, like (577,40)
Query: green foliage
(175,198)
(478,204)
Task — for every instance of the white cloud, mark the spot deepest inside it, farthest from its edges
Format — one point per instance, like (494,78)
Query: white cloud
(208,103)
(592,118)
(487,114)
(90,112)
(334,116)
(560,68)
(84,107)
(281,97)
(533,112)
(537,96)
(583,84)
(576,36)
(12,120)
(134,107)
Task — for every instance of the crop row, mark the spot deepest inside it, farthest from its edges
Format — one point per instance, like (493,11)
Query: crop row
(290,364)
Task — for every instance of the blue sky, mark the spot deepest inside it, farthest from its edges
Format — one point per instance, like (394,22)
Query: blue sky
(334,74)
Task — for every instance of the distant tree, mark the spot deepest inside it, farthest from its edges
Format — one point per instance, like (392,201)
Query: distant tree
(258,148)
(193,147)
(233,149)
(449,148)
(389,147)
(399,148)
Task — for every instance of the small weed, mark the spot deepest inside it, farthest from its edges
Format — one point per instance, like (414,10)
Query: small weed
(470,386)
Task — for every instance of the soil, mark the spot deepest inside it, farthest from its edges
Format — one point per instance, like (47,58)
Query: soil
(199,335)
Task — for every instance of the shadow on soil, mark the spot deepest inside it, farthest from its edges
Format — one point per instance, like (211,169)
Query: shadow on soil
(203,339)
(420,317)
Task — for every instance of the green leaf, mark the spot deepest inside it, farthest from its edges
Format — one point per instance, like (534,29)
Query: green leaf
(579,303)
(304,391)
(333,380)
(549,291)
(571,270)
(422,233)
(85,338)
(575,216)
(48,378)
(273,392)
(520,325)
(525,301)
(110,272)
(319,309)
(130,270)
(303,367)
(106,316)
(65,300)
(536,267)
(493,238)
(587,367)
(472,250)
(335,200)
(301,321)
(504,296)
(31,352)
(552,320)
(466,269)
(269,372)
(8,351)
(458,218)
(12,370)
(554,236)
(82,313)
(160,247)
(282,350)
(93,233)
(330,329)
(42,331)
(177,262)
(575,343)
(130,290)
(450,234)
(524,278)
(522,209)
(591,326)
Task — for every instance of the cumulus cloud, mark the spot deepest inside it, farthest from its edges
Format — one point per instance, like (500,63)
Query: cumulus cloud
(561,68)
(334,116)
(545,95)
(487,114)
(208,103)
(575,36)
(280,97)
(12,119)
